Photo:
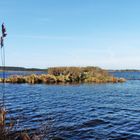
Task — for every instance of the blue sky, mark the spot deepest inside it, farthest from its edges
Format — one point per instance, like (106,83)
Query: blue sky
(45,33)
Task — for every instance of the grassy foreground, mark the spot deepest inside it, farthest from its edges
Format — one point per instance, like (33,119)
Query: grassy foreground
(67,75)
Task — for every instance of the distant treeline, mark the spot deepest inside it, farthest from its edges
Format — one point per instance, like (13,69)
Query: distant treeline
(9,68)
(125,70)
(12,68)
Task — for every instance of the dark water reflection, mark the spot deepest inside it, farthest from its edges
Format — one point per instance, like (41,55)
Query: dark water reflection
(75,112)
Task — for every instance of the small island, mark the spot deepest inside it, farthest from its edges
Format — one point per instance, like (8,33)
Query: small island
(58,75)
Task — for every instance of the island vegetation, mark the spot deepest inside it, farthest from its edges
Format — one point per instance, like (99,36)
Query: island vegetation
(58,75)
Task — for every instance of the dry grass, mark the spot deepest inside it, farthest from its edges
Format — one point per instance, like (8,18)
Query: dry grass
(67,75)
(7,132)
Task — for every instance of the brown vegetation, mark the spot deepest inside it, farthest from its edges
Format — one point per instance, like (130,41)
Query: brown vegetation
(67,75)
(6,130)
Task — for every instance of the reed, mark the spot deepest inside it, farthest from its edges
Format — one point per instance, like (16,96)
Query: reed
(7,132)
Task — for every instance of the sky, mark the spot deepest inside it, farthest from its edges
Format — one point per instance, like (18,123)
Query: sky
(48,33)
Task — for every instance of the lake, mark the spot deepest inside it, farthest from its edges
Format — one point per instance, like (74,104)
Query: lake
(76,112)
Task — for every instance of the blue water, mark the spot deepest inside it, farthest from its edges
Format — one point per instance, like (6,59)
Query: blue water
(77,112)
(127,75)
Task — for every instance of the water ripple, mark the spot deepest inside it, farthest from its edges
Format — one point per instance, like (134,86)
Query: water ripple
(75,112)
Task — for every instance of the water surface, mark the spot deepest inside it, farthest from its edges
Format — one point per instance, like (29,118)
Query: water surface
(75,112)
